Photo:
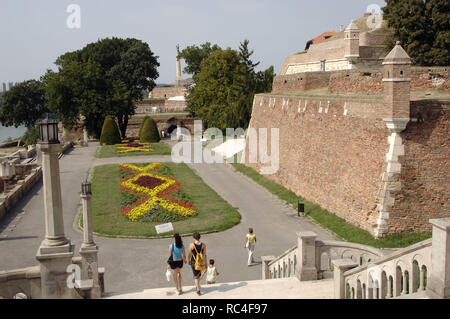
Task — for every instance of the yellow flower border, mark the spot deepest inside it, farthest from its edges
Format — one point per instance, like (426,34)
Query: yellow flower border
(136,213)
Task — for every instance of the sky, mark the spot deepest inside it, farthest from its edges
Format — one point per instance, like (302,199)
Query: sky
(35,32)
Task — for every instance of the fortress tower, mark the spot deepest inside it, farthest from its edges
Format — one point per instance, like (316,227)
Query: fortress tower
(396,80)
(351,35)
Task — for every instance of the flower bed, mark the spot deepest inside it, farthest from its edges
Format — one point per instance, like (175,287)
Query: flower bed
(133,144)
(159,197)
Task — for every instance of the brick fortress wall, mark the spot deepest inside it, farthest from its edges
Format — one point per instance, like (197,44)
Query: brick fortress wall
(425,175)
(359,81)
(333,149)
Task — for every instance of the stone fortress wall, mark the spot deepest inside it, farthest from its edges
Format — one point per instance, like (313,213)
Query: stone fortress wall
(338,147)
(365,81)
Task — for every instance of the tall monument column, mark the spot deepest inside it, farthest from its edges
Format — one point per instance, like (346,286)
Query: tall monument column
(55,252)
(179,79)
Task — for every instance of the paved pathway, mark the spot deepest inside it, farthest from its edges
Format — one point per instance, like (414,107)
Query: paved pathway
(133,264)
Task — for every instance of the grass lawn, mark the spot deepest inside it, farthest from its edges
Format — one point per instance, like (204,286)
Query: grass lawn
(213,213)
(110,151)
(337,225)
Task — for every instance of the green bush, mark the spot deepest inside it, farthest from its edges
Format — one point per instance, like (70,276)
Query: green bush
(110,132)
(142,124)
(31,135)
(149,133)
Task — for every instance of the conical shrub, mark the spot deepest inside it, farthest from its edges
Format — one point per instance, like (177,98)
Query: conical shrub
(142,125)
(110,132)
(149,133)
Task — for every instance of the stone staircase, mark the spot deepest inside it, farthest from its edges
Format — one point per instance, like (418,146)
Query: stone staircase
(285,288)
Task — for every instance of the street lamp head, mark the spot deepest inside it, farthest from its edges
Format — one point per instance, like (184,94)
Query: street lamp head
(86,188)
(48,129)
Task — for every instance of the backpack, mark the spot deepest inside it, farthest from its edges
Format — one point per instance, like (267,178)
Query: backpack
(199,260)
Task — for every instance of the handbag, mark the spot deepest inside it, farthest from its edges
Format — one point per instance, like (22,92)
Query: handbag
(170,259)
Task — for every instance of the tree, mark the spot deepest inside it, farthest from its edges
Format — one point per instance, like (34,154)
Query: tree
(142,125)
(101,79)
(110,132)
(225,87)
(194,55)
(24,104)
(219,90)
(149,133)
(422,27)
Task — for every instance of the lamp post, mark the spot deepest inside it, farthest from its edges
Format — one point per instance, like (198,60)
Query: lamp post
(55,252)
(86,193)
(89,250)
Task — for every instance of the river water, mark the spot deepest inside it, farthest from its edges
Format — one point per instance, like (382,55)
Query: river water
(11,131)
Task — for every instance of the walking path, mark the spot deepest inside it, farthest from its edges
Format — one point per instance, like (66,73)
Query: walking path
(133,264)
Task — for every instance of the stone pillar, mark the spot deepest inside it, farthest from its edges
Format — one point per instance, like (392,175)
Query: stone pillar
(54,223)
(306,266)
(405,283)
(265,266)
(340,267)
(89,251)
(438,285)
(179,79)
(422,280)
(85,137)
(389,289)
(55,252)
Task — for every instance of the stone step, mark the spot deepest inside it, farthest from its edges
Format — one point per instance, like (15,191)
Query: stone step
(285,288)
(417,295)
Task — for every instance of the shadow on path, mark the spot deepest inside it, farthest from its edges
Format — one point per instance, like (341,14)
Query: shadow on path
(20,205)
(18,237)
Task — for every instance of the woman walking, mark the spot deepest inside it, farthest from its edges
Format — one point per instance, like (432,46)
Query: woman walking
(250,241)
(176,250)
(197,257)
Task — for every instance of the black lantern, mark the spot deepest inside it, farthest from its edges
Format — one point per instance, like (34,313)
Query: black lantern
(86,188)
(301,208)
(48,129)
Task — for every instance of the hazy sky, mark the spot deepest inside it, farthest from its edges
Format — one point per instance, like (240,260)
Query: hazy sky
(34,32)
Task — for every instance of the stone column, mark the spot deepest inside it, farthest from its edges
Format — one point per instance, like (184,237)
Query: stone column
(265,266)
(340,267)
(422,280)
(56,251)
(389,290)
(85,137)
(405,283)
(89,251)
(306,266)
(438,285)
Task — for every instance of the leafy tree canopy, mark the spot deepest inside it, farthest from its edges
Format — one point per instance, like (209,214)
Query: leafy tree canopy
(423,27)
(101,79)
(23,104)
(225,87)
(194,55)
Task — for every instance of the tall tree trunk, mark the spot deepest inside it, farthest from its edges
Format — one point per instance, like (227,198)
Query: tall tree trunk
(123,123)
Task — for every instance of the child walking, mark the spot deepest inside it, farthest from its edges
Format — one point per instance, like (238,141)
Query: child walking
(211,273)
(250,241)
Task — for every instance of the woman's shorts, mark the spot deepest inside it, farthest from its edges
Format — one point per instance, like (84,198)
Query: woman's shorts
(196,273)
(176,264)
